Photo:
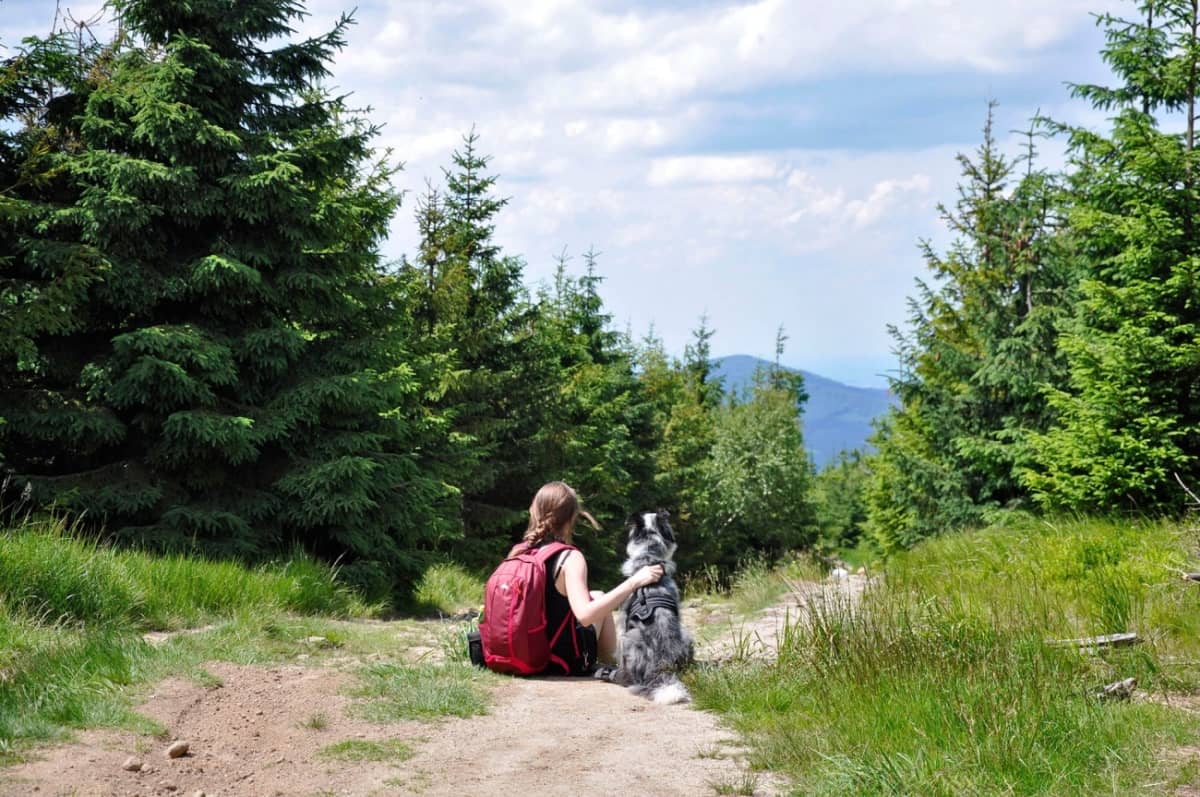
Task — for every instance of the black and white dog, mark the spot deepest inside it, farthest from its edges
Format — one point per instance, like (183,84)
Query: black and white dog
(654,643)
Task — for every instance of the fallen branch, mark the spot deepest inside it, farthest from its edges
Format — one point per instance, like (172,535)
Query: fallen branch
(1118,690)
(1105,641)
(1185,488)
(1185,575)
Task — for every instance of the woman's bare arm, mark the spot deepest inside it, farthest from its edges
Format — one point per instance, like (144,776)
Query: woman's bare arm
(589,611)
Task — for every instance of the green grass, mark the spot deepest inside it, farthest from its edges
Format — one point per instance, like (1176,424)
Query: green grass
(449,590)
(363,750)
(1073,578)
(755,585)
(47,573)
(941,682)
(391,692)
(72,615)
(746,785)
(59,678)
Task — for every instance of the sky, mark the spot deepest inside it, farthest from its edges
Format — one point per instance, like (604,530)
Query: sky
(763,163)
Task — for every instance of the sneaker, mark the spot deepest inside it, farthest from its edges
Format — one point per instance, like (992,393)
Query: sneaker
(604,672)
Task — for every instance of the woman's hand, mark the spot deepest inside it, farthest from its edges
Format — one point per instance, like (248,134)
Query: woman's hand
(648,574)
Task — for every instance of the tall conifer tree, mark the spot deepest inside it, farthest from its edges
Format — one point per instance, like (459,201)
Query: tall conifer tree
(45,271)
(980,348)
(1130,417)
(241,353)
(597,435)
(497,382)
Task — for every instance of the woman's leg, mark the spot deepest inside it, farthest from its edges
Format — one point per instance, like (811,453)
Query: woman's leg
(606,637)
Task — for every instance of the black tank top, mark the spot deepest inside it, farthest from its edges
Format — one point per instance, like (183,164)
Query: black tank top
(568,647)
(557,605)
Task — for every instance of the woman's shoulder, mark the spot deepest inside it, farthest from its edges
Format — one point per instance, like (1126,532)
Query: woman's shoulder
(572,558)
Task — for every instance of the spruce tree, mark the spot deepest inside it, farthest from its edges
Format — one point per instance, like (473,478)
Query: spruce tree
(242,349)
(497,383)
(979,351)
(689,397)
(697,363)
(1130,416)
(597,435)
(45,271)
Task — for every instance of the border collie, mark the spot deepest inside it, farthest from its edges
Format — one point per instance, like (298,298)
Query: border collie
(654,644)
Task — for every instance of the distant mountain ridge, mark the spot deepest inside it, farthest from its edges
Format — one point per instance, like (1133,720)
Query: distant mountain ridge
(836,416)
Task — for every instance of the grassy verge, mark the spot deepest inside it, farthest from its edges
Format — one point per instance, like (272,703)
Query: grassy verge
(392,692)
(449,590)
(73,614)
(47,573)
(942,681)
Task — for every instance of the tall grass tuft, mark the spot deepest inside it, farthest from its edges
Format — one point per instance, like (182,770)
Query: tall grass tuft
(756,584)
(1069,578)
(53,678)
(448,590)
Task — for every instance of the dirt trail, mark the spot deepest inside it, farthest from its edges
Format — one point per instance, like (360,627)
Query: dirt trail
(254,736)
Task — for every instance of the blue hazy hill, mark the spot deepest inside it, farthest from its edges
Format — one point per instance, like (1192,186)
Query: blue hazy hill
(836,416)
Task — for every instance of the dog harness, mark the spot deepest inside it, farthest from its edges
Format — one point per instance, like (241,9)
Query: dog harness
(645,604)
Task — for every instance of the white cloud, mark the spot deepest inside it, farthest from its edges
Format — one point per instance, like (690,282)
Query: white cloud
(395,33)
(712,169)
(623,134)
(432,143)
(829,205)
(884,195)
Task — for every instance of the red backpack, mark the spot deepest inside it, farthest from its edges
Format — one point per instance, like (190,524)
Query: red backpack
(513,627)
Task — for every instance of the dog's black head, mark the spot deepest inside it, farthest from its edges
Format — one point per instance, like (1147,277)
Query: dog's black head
(651,537)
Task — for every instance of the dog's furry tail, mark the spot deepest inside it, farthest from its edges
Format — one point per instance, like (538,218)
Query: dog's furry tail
(665,692)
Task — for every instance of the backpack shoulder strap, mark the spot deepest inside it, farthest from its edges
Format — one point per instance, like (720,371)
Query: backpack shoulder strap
(551,549)
(518,549)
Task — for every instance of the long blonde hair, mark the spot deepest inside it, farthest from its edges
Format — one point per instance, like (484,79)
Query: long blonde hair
(553,513)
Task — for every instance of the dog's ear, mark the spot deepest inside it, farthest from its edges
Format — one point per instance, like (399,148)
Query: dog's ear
(664,525)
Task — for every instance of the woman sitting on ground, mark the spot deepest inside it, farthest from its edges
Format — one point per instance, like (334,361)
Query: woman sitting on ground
(552,517)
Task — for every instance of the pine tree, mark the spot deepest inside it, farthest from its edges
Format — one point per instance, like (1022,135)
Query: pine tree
(697,362)
(980,347)
(242,347)
(496,381)
(689,398)
(1130,416)
(45,272)
(597,435)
